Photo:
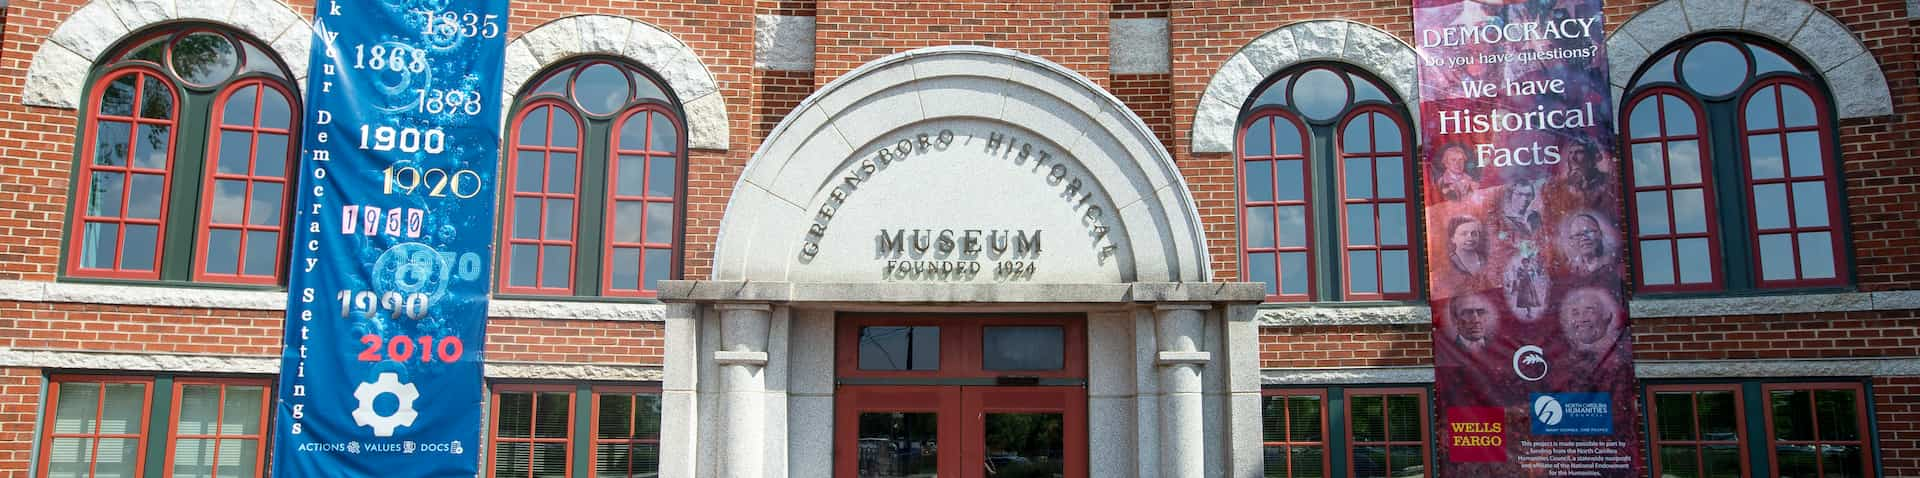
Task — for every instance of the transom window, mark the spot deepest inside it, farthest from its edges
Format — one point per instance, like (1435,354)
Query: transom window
(1327,145)
(182,165)
(596,158)
(1728,124)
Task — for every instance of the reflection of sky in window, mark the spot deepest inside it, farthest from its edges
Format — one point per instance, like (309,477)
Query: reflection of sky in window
(899,348)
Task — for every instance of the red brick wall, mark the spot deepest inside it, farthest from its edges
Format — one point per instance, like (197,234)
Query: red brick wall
(1346,346)
(1896,403)
(19,411)
(1823,335)
(1150,96)
(1072,33)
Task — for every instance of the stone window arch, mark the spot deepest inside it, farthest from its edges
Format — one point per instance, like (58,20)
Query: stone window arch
(596,161)
(183,166)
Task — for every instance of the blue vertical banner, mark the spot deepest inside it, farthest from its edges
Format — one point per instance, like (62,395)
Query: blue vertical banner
(387,300)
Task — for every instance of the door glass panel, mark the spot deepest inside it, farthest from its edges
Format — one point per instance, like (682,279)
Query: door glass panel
(899,445)
(899,348)
(1023,348)
(1021,445)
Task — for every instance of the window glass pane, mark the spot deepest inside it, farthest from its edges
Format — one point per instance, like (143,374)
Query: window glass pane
(1661,70)
(1680,120)
(515,419)
(156,99)
(1652,208)
(1292,225)
(1358,176)
(559,219)
(265,210)
(1674,411)
(1392,177)
(1762,110)
(601,89)
(1360,224)
(512,458)
(626,268)
(633,132)
(556,266)
(204,58)
(1404,415)
(529,171)
(1649,168)
(1293,273)
(242,416)
(659,263)
(1718,416)
(275,112)
(665,135)
(1287,137)
(1816,255)
(1809,204)
(1804,154)
(1260,232)
(239,108)
(561,170)
(1386,133)
(271,151)
(124,408)
(262,254)
(1766,61)
(1303,413)
(116,458)
(110,143)
(1792,414)
(1320,94)
(1274,94)
(79,408)
(551,415)
(898,445)
(193,458)
(616,417)
(1842,461)
(613,460)
(223,251)
(1796,460)
(1369,461)
(1257,185)
(1260,268)
(151,145)
(109,189)
(1395,277)
(117,98)
(1679,462)
(1797,107)
(899,348)
(1393,224)
(661,177)
(647,422)
(1695,261)
(1363,272)
(566,131)
(1776,256)
(239,458)
(1308,462)
(627,222)
(1763,155)
(70,458)
(1273,418)
(1364,90)
(1714,68)
(1406,461)
(526,218)
(1689,211)
(633,172)
(555,83)
(141,247)
(100,245)
(1683,161)
(1656,260)
(1355,137)
(525,260)
(1291,180)
(549,460)
(144,199)
(1023,348)
(1258,140)
(1839,420)
(229,201)
(199,408)
(1644,119)
(533,127)
(1720,461)
(1369,418)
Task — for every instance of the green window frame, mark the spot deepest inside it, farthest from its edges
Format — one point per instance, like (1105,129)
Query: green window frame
(604,430)
(202,197)
(1347,432)
(1777,428)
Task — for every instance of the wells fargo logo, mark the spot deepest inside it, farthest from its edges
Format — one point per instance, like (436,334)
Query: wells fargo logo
(1476,434)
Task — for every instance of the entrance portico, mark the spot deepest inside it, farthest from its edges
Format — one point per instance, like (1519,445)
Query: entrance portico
(934,188)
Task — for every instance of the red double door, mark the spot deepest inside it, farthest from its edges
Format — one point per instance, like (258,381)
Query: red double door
(886,431)
(926,396)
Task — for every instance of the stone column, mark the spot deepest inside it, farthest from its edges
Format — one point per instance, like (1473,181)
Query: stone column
(1181,329)
(742,357)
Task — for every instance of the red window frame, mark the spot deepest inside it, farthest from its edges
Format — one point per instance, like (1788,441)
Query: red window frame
(1699,443)
(593,462)
(540,243)
(1830,177)
(533,421)
(1865,440)
(651,152)
(99,410)
(1287,444)
(1305,203)
(213,176)
(1712,234)
(266,409)
(84,190)
(960,344)
(1420,395)
(1373,155)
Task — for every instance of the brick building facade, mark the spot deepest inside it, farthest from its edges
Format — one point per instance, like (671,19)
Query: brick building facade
(745,361)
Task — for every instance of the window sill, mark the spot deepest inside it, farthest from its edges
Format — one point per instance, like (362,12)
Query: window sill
(209,297)
(1418,313)
(1345,313)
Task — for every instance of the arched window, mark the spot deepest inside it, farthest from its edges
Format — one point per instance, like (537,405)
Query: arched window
(1735,183)
(1325,198)
(186,143)
(596,158)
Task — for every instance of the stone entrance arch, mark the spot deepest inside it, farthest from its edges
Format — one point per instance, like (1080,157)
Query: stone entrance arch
(961,180)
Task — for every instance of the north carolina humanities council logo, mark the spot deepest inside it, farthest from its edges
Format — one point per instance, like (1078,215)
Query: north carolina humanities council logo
(1530,363)
(1547,410)
(1572,413)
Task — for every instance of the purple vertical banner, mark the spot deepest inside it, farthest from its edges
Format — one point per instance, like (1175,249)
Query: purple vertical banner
(1533,356)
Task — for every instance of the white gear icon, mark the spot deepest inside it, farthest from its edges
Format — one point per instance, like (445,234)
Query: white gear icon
(388,382)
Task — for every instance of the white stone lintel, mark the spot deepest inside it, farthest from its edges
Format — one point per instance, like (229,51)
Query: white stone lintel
(1185,358)
(729,357)
(1287,315)
(271,300)
(1644,370)
(262,365)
